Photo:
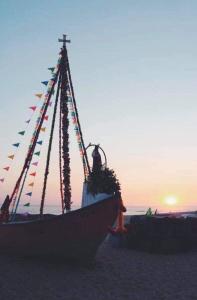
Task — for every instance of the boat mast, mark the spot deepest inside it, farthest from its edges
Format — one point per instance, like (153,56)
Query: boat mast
(65,93)
(64,86)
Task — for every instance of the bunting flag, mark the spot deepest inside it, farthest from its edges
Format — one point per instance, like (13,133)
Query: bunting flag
(74,120)
(16,145)
(46,118)
(45,82)
(31,184)
(50,103)
(11,156)
(29,194)
(35,163)
(37,153)
(33,108)
(51,69)
(2,179)
(21,132)
(27,121)
(27,204)
(43,129)
(33,174)
(39,95)
(6,168)
(39,142)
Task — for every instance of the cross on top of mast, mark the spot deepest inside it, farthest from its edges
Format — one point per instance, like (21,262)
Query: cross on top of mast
(64,40)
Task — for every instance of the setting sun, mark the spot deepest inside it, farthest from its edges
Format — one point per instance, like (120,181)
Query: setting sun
(171,200)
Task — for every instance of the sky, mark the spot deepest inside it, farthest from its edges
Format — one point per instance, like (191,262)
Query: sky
(134,71)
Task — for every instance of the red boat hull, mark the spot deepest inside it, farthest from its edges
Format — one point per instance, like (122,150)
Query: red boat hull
(74,235)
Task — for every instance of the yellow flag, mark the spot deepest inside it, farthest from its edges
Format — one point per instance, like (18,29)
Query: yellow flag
(43,129)
(11,156)
(39,95)
(31,184)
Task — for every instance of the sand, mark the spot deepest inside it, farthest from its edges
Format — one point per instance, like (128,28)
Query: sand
(116,274)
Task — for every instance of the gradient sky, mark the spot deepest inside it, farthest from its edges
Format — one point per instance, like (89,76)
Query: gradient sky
(134,69)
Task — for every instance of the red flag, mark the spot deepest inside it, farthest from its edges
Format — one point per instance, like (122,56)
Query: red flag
(33,174)
(46,118)
(33,108)
(7,168)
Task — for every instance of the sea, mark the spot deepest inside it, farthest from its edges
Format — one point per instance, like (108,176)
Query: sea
(131,209)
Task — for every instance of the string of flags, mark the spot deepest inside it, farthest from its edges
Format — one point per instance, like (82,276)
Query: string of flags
(49,85)
(77,131)
(21,133)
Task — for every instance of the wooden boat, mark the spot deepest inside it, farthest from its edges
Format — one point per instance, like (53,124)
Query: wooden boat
(73,234)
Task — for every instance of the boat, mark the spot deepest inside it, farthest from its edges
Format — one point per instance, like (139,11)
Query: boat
(74,234)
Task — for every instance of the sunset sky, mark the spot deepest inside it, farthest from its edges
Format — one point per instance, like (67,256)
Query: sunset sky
(134,69)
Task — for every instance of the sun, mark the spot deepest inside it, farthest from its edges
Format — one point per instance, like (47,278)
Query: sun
(170,200)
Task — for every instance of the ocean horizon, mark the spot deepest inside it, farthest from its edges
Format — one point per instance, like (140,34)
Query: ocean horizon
(131,209)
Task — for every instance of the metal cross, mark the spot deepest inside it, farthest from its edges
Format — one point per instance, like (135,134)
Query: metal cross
(64,40)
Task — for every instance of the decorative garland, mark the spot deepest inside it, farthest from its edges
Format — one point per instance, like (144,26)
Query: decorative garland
(103,181)
(65,135)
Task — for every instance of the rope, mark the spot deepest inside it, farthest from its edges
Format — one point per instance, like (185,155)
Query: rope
(32,147)
(19,197)
(49,151)
(77,115)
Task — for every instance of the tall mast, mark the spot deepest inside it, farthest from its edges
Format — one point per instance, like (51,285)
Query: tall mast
(65,94)
(64,126)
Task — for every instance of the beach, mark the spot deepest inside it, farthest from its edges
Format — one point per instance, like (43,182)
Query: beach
(116,273)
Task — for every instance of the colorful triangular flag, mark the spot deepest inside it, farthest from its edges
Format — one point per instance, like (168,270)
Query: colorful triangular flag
(31,184)
(39,95)
(11,156)
(21,132)
(37,153)
(2,180)
(27,204)
(35,163)
(33,108)
(51,69)
(39,142)
(33,174)
(27,121)
(45,82)
(16,145)
(43,129)
(29,194)
(6,168)
(46,118)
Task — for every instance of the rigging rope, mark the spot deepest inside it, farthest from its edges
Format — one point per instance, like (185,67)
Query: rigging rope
(86,163)
(33,145)
(49,149)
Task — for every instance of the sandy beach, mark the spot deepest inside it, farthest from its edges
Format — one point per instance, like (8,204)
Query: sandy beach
(117,273)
